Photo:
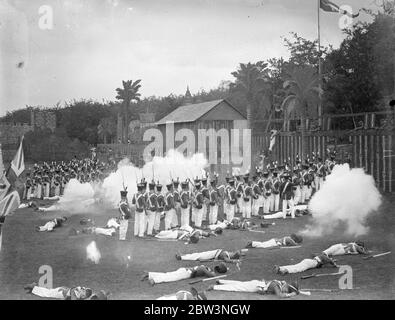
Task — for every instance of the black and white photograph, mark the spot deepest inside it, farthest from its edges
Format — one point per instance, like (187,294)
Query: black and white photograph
(221,151)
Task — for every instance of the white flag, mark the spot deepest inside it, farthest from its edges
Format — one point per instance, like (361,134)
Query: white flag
(9,204)
(18,164)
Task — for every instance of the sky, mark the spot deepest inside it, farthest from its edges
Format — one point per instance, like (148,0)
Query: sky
(93,45)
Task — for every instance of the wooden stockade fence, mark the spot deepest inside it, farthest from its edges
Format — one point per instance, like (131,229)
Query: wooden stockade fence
(372,150)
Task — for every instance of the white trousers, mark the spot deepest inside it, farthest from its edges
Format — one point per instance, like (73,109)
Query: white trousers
(160,277)
(255,207)
(271,203)
(167,234)
(198,216)
(177,209)
(264,245)
(169,218)
(218,225)
(38,191)
(104,231)
(213,215)
(56,293)
(239,204)
(319,183)
(46,189)
(150,218)
(157,221)
(230,211)
(205,211)
(261,201)
(246,209)
(266,204)
(303,194)
(206,255)
(185,216)
(123,229)
(297,195)
(290,204)
(335,250)
(276,200)
(49,226)
(57,190)
(302,266)
(139,223)
(239,286)
(277,215)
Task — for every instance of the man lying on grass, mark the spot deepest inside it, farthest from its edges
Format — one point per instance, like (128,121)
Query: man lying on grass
(52,224)
(109,230)
(288,241)
(350,248)
(306,264)
(193,294)
(186,233)
(218,254)
(281,289)
(66,293)
(183,273)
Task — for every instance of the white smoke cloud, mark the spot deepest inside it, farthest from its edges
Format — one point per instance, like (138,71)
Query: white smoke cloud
(77,198)
(163,169)
(347,198)
(93,253)
(81,197)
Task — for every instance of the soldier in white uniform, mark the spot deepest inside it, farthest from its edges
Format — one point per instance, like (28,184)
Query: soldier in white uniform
(185,203)
(306,264)
(218,254)
(213,202)
(351,248)
(170,210)
(139,217)
(152,206)
(288,241)
(182,274)
(124,214)
(50,225)
(280,288)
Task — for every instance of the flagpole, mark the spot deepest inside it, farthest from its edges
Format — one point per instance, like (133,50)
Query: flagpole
(319,64)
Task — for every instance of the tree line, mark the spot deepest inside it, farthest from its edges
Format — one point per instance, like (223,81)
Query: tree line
(356,77)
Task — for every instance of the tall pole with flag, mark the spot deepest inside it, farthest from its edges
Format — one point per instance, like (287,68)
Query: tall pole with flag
(10,198)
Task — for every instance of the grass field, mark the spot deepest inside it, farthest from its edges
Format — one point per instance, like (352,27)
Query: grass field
(25,250)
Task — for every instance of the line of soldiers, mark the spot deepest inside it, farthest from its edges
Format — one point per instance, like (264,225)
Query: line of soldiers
(50,179)
(192,206)
(280,187)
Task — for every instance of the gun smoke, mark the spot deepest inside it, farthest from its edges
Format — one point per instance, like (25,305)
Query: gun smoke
(347,198)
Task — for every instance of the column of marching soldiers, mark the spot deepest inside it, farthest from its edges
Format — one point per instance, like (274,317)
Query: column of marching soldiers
(275,190)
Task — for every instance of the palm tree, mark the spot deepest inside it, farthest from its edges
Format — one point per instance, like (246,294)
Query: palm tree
(127,94)
(303,90)
(106,128)
(251,79)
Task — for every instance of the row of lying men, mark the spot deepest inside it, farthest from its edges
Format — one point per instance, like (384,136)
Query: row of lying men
(50,179)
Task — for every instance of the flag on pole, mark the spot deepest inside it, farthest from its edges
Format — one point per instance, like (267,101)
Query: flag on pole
(329,6)
(9,204)
(10,188)
(18,163)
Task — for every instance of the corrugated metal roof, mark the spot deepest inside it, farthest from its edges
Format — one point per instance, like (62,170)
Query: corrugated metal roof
(190,113)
